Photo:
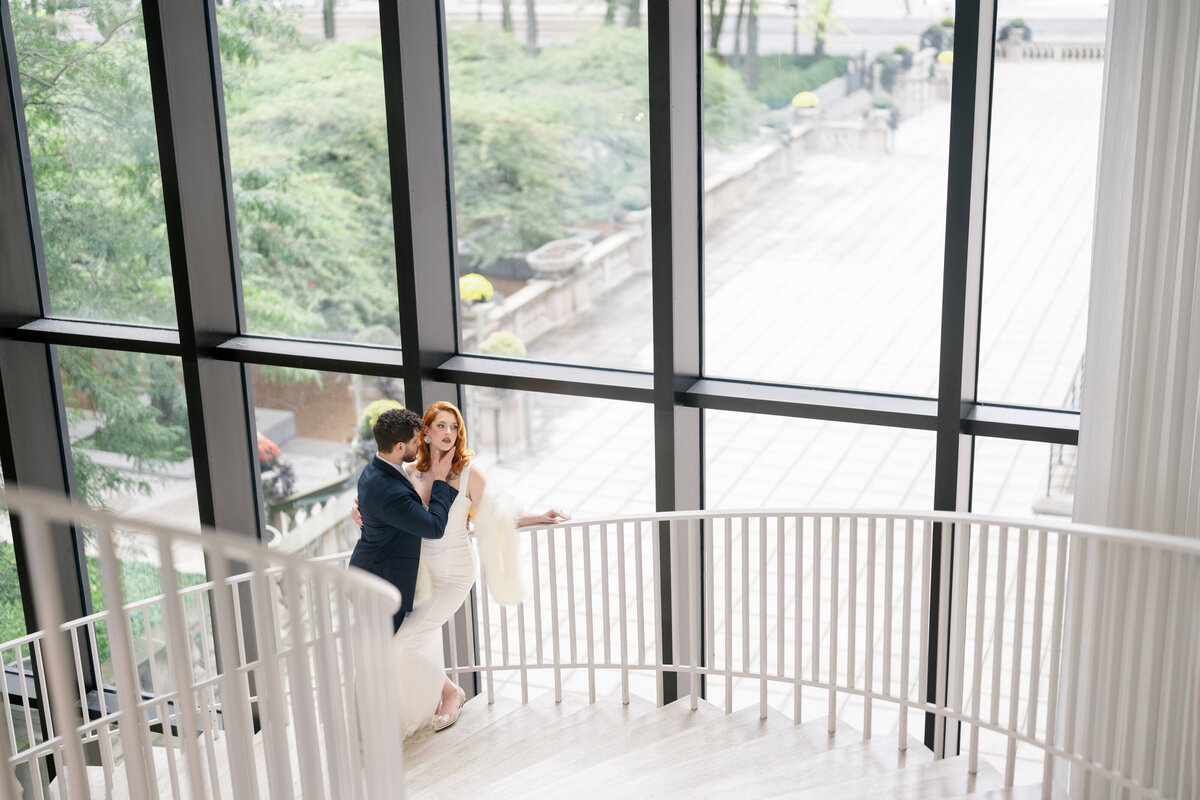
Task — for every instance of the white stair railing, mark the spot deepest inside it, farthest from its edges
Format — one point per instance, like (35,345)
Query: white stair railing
(270,678)
(1075,645)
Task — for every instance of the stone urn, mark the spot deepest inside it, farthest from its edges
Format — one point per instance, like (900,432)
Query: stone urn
(558,256)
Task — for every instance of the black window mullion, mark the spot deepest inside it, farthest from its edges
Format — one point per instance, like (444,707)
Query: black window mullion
(676,251)
(970,114)
(185,79)
(34,445)
(416,89)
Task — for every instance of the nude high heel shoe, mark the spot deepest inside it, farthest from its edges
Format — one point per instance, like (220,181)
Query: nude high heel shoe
(443,721)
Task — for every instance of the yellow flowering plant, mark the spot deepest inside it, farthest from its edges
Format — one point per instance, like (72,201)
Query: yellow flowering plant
(805,100)
(503,343)
(474,288)
(946,57)
(370,414)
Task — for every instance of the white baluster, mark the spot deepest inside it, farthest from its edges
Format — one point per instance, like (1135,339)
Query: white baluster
(623,613)
(124,664)
(981,596)
(587,611)
(762,617)
(834,602)
(869,637)
(1014,692)
(693,550)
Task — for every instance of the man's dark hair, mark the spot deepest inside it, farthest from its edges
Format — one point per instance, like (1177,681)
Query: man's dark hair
(395,426)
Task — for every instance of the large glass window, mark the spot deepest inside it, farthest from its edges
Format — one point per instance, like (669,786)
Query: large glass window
(314,437)
(309,154)
(1023,479)
(758,461)
(132,454)
(589,457)
(1041,200)
(12,614)
(826,146)
(551,174)
(90,120)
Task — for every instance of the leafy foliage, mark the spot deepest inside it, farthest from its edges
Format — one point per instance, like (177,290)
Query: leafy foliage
(782,77)
(541,143)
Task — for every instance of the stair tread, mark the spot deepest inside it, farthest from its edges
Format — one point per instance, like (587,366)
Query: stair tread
(1031,791)
(942,778)
(487,739)
(569,761)
(695,745)
(475,715)
(578,729)
(796,768)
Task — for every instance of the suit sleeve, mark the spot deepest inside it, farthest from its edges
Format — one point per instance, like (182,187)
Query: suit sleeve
(404,511)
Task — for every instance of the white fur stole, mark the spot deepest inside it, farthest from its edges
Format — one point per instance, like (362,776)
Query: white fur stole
(500,547)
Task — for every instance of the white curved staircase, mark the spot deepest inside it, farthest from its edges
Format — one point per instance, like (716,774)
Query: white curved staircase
(1037,658)
(607,749)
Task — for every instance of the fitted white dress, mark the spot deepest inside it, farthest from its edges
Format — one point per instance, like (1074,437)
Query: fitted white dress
(448,569)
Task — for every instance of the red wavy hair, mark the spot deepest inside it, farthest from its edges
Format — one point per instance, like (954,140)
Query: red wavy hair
(461,454)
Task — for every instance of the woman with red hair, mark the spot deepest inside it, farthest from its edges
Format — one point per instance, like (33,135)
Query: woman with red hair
(447,568)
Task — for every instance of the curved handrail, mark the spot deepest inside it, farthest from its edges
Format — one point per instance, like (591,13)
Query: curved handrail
(271,659)
(1180,544)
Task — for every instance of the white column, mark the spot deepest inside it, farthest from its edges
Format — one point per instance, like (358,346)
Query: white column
(1139,441)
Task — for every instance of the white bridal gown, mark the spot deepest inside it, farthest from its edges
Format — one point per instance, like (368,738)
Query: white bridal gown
(449,564)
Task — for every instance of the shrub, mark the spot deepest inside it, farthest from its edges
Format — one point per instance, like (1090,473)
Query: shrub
(938,37)
(881,100)
(887,73)
(905,54)
(780,79)
(370,415)
(474,288)
(1017,29)
(731,113)
(633,198)
(948,22)
(503,343)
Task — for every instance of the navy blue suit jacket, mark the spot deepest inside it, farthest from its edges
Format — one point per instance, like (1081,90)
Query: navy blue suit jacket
(394,523)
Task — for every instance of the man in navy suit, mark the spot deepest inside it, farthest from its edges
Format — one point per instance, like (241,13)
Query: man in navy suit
(394,518)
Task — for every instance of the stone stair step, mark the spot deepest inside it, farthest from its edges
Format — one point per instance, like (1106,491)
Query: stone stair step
(931,779)
(448,762)
(549,749)
(565,773)
(672,757)
(475,715)
(806,756)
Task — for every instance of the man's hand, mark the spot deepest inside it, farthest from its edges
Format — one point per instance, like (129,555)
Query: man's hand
(441,464)
(355,514)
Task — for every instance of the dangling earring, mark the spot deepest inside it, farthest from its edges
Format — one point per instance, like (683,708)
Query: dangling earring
(428,440)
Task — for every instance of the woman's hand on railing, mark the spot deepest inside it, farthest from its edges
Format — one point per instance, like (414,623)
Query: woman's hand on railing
(355,514)
(550,517)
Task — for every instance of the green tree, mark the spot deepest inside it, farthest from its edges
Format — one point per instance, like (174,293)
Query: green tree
(821,21)
(716,20)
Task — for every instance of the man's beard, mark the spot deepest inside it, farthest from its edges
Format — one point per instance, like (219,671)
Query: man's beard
(408,456)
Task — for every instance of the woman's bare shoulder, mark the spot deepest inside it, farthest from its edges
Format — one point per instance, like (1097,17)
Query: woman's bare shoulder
(477,481)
